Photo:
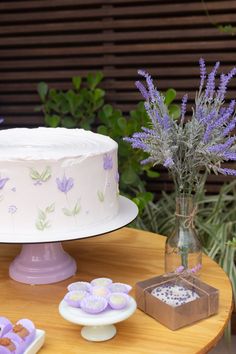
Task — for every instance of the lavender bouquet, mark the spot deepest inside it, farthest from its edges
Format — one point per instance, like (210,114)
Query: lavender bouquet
(202,143)
(189,149)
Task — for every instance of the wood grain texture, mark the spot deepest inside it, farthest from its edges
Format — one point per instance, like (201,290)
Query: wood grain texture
(126,255)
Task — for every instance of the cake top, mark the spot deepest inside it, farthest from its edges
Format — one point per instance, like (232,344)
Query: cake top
(52,143)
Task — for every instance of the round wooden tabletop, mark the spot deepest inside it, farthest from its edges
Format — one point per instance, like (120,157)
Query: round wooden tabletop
(126,255)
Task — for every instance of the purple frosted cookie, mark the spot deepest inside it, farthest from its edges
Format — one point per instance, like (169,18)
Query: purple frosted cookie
(118,301)
(93,304)
(101,282)
(100,291)
(9,346)
(17,341)
(120,288)
(25,329)
(74,298)
(79,285)
(5,326)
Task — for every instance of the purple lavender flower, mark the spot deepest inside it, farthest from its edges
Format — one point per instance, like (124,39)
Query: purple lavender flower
(3,181)
(150,85)
(107,162)
(142,89)
(180,269)
(202,72)
(65,184)
(12,209)
(168,162)
(210,86)
(227,171)
(183,107)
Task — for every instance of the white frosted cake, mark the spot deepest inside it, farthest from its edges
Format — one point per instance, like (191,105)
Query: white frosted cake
(56,180)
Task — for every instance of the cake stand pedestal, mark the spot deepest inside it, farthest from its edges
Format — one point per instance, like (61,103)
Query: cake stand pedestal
(99,327)
(42,259)
(42,263)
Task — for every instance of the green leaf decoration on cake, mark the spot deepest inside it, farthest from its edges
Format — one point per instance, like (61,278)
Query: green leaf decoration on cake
(72,212)
(101,196)
(42,222)
(42,177)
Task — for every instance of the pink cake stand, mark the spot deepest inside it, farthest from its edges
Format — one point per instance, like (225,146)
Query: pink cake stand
(43,260)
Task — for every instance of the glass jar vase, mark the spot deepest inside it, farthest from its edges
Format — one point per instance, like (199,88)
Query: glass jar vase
(183,249)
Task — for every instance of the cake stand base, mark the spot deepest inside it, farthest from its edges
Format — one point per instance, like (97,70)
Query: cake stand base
(42,263)
(98,333)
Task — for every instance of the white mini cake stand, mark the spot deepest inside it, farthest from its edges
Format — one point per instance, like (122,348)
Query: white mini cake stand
(42,260)
(99,327)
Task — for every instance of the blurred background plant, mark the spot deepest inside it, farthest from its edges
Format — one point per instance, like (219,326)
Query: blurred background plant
(84,106)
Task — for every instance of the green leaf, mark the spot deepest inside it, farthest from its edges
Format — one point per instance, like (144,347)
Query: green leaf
(122,123)
(76,81)
(67,212)
(100,196)
(39,225)
(68,122)
(174,111)
(42,215)
(152,174)
(76,209)
(98,94)
(34,174)
(46,174)
(42,90)
(107,110)
(102,129)
(94,79)
(129,176)
(50,208)
(52,121)
(170,96)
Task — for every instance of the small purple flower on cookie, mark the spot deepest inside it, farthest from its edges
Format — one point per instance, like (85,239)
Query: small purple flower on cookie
(100,291)
(120,288)
(101,282)
(93,304)
(79,285)
(107,162)
(3,181)
(74,298)
(65,184)
(118,301)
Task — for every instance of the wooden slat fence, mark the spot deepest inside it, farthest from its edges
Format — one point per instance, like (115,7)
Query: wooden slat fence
(53,40)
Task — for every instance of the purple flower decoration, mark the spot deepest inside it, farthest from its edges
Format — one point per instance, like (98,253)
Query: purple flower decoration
(107,162)
(3,181)
(1,120)
(65,184)
(12,209)
(117,177)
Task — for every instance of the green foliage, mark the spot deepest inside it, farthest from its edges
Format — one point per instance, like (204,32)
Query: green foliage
(76,107)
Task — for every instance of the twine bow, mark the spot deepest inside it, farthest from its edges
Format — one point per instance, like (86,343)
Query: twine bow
(189,219)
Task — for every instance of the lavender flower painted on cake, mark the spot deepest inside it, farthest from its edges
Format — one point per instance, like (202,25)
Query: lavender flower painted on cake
(3,181)
(190,146)
(107,162)
(12,209)
(65,184)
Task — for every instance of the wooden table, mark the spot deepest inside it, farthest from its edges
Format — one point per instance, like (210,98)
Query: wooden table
(126,255)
